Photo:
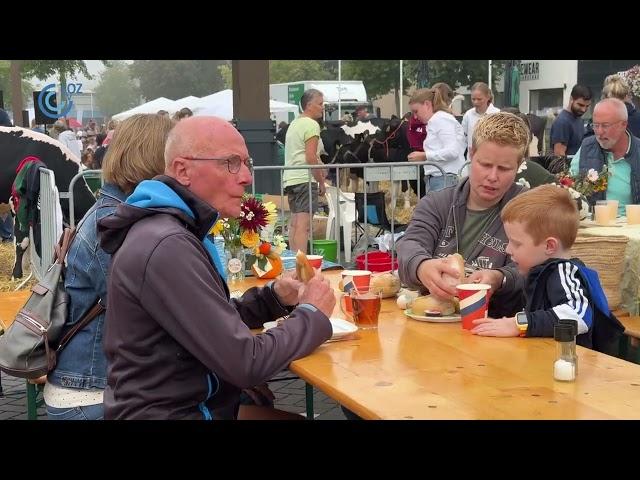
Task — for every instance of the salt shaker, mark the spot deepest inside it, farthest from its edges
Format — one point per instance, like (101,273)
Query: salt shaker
(564,368)
(574,326)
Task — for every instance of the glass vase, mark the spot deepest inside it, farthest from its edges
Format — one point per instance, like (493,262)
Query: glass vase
(235,264)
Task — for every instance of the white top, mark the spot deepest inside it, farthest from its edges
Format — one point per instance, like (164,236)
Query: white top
(61,397)
(469,121)
(68,139)
(444,144)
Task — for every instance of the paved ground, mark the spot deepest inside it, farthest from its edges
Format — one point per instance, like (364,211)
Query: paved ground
(289,396)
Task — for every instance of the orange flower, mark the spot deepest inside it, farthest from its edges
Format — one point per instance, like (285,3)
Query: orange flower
(265,248)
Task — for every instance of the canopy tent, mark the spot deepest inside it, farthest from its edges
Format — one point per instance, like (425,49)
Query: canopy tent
(189,102)
(220,104)
(153,106)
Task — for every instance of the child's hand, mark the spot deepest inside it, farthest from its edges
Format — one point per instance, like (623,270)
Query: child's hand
(496,327)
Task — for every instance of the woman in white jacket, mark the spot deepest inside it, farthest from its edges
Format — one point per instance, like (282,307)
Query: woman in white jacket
(445,141)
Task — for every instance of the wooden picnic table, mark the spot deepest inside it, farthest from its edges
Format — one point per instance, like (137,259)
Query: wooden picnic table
(408,369)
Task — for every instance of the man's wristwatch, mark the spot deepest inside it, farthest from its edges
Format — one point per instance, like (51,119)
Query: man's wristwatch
(522,323)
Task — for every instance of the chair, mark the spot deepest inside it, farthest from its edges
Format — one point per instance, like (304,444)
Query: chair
(376,214)
(347,208)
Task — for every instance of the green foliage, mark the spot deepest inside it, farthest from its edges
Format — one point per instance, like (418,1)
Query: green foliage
(225,73)
(116,91)
(5,85)
(175,79)
(282,71)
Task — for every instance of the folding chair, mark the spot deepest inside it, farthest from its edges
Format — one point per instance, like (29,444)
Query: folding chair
(375,215)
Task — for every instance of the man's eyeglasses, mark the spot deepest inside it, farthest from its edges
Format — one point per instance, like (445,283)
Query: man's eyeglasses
(233,163)
(603,126)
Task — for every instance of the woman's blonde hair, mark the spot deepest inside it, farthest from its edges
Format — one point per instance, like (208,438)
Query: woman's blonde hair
(504,129)
(615,87)
(433,95)
(483,88)
(136,151)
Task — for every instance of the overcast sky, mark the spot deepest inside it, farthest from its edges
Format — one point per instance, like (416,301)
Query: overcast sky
(95,68)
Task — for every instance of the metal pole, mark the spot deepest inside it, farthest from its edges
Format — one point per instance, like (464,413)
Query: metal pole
(339,89)
(91,105)
(490,73)
(400,92)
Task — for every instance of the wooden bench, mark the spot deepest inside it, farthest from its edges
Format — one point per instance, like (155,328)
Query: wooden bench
(631,332)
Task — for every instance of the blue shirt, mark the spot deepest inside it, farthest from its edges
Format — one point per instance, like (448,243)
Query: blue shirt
(568,130)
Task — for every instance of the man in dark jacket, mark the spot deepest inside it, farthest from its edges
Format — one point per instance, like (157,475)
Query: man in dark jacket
(465,219)
(176,345)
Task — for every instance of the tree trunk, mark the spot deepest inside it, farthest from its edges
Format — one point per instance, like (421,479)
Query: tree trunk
(16,92)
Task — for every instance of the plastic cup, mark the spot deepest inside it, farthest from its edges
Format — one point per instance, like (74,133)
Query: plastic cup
(633,214)
(474,300)
(602,214)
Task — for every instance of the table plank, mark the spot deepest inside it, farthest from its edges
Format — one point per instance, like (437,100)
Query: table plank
(10,304)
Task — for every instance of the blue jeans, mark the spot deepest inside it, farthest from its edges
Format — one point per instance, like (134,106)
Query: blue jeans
(87,412)
(433,183)
(6,227)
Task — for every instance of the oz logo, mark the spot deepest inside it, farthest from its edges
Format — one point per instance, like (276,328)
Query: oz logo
(47,100)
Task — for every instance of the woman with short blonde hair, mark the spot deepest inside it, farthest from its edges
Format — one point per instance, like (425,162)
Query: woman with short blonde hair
(75,388)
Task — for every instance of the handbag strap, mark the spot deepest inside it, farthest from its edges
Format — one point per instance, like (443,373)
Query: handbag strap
(62,247)
(93,312)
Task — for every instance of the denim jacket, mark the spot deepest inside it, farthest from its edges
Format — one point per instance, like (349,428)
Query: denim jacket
(82,363)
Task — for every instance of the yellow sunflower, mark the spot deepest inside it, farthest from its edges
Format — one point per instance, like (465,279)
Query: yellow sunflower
(272,212)
(217,228)
(250,239)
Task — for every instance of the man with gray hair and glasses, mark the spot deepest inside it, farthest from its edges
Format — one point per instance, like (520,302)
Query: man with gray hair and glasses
(177,346)
(614,146)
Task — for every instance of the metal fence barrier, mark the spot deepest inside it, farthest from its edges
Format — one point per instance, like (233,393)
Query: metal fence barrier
(372,172)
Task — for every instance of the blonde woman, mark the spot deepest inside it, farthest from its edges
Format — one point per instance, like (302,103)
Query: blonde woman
(75,389)
(616,86)
(482,100)
(444,143)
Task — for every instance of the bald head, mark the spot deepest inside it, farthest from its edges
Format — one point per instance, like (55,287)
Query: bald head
(611,107)
(202,137)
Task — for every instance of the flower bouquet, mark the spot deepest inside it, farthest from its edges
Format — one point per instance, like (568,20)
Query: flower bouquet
(632,76)
(583,186)
(252,230)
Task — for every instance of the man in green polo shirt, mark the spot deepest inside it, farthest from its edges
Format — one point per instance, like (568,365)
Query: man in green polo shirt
(301,149)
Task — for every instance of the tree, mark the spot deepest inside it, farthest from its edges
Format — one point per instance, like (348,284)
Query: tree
(5,84)
(41,69)
(116,91)
(456,73)
(282,71)
(176,79)
(225,73)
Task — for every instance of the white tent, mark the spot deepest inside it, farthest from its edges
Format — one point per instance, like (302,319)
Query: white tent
(220,104)
(153,106)
(189,102)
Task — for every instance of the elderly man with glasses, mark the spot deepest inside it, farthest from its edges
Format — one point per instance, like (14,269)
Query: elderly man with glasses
(614,146)
(177,346)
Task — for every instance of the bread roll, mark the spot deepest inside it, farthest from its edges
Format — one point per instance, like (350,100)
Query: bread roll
(304,270)
(456,261)
(432,305)
(387,282)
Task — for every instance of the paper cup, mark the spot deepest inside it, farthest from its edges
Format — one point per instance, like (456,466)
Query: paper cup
(315,260)
(613,209)
(473,302)
(358,279)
